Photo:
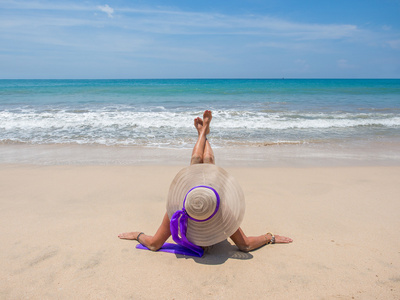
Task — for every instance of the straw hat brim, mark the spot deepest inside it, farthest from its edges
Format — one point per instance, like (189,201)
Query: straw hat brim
(232,205)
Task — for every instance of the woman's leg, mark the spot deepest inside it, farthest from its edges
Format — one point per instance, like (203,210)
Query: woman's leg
(152,242)
(208,157)
(208,154)
(203,128)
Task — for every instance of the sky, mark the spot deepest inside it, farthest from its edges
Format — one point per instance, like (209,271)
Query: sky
(199,39)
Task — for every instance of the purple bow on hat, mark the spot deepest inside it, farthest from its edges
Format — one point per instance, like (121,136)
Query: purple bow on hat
(178,227)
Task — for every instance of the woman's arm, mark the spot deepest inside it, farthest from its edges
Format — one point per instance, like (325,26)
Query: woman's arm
(246,244)
(152,242)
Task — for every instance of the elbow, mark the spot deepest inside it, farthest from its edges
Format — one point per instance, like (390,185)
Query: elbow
(154,247)
(244,248)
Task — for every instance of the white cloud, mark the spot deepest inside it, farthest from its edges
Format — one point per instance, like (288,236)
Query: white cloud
(107,9)
(162,21)
(40,5)
(184,22)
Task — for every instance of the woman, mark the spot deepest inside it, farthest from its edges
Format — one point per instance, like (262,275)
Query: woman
(223,217)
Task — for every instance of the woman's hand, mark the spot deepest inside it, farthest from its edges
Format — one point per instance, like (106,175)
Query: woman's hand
(282,239)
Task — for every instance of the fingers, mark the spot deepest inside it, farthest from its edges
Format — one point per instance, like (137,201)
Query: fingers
(128,235)
(282,239)
(121,235)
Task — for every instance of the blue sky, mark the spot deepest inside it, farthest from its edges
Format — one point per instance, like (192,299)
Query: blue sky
(200,39)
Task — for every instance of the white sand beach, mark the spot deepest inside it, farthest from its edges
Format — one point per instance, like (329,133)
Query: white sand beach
(59,227)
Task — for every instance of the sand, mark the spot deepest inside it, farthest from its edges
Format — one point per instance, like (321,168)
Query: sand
(59,227)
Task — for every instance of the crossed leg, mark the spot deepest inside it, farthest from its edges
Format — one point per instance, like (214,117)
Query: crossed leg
(202,151)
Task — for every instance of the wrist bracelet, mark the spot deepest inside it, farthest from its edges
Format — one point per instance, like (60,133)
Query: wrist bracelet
(272,241)
(137,238)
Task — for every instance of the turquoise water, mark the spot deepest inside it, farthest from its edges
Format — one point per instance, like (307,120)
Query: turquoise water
(160,113)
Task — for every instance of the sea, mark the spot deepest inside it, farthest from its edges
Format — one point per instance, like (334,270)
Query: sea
(317,115)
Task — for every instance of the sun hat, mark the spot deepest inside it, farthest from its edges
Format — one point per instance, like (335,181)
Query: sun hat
(205,205)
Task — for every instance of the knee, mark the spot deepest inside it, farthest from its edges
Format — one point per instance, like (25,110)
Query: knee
(196,159)
(209,159)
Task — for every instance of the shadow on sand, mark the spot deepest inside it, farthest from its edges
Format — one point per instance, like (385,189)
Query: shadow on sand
(218,254)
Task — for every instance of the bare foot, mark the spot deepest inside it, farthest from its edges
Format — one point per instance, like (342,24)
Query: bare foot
(198,123)
(207,116)
(129,235)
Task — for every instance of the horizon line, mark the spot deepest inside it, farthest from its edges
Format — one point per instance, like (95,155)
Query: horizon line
(217,78)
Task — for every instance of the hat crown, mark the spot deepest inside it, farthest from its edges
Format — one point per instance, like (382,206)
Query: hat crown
(200,203)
